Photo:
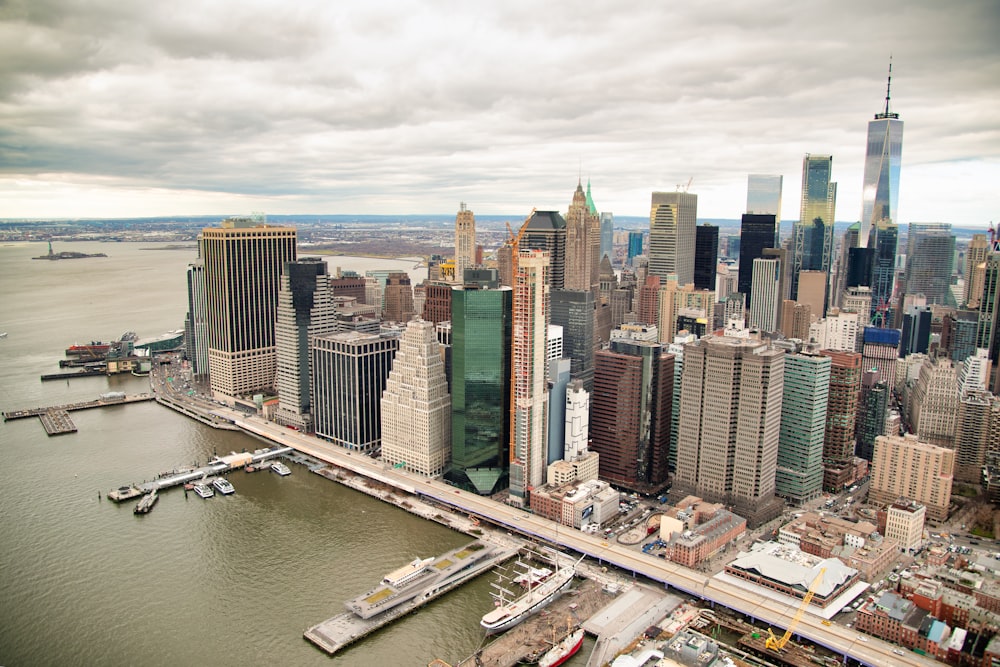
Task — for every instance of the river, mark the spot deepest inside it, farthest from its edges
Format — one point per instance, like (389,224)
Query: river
(226,581)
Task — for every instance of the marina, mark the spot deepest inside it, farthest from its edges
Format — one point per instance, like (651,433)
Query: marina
(403,591)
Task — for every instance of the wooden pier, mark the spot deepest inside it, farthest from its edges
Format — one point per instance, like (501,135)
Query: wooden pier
(56,419)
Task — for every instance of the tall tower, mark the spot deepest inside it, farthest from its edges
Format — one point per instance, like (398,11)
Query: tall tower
(799,475)
(841,414)
(813,232)
(465,241)
(706,256)
(975,271)
(480,386)
(757,232)
(529,390)
(305,309)
(873,403)
(727,448)
(988,330)
(672,217)
(349,376)
(766,298)
(607,233)
(196,322)
(930,255)
(397,298)
(764,196)
(243,261)
(583,244)
(416,406)
(883,155)
(546,230)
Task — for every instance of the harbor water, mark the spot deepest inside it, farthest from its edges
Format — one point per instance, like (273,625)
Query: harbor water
(226,581)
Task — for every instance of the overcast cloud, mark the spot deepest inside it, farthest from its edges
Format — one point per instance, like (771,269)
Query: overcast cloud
(111,108)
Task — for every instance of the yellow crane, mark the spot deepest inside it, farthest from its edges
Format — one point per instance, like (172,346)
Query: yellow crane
(776,644)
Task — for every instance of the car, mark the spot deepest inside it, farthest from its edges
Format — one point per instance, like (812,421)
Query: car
(898,651)
(862,638)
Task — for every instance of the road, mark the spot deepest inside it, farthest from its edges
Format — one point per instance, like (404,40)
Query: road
(869,650)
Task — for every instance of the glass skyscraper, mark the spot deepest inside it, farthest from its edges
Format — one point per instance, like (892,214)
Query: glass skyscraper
(813,233)
(880,191)
(799,474)
(480,387)
(764,195)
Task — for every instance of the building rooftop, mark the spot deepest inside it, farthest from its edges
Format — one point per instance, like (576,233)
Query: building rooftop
(794,568)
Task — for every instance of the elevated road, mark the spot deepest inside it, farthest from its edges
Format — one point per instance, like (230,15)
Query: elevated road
(868,650)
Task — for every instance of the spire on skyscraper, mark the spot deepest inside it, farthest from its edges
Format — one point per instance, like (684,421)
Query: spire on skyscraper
(888,86)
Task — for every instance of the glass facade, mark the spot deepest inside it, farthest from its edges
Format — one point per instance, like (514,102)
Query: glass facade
(880,191)
(764,195)
(480,386)
(799,475)
(813,233)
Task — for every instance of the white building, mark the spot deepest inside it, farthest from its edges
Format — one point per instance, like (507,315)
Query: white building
(904,523)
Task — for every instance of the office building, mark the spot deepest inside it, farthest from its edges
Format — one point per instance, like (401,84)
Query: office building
(196,320)
(880,349)
(437,301)
(795,319)
(635,246)
(972,436)
(574,312)
(416,405)
(934,406)
(904,467)
(559,379)
(916,333)
(841,413)
(757,232)
(545,230)
(672,217)
(764,196)
(682,307)
(975,271)
(706,256)
(397,298)
(812,235)
(930,255)
(480,387)
(349,375)
(727,451)
(838,331)
(799,475)
(583,245)
(765,295)
(349,284)
(305,309)
(465,241)
(883,239)
(904,524)
(529,391)
(607,234)
(883,156)
(873,406)
(988,331)
(243,261)
(813,291)
(630,413)
(857,299)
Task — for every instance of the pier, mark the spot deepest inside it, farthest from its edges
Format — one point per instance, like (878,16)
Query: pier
(216,466)
(56,419)
(443,574)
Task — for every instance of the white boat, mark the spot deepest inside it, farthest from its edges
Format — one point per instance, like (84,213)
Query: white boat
(223,486)
(511,610)
(145,505)
(204,490)
(280,468)
(564,650)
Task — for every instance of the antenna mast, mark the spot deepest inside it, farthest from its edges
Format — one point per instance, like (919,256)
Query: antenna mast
(888,86)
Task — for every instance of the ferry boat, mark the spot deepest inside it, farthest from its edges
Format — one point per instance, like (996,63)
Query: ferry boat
(145,505)
(564,650)
(204,490)
(223,486)
(511,610)
(280,468)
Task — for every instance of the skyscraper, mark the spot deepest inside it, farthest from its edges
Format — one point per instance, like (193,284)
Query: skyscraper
(883,155)
(529,391)
(905,467)
(243,261)
(975,271)
(884,239)
(764,195)
(397,298)
(799,475)
(988,331)
(349,375)
(583,245)
(873,403)
(196,322)
(416,406)
(480,386)
(841,413)
(465,241)
(813,232)
(766,298)
(607,233)
(706,256)
(727,449)
(757,231)
(305,309)
(930,256)
(672,217)
(546,230)
(631,412)
(574,312)
(635,245)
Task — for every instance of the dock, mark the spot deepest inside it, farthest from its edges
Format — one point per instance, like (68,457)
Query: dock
(443,574)
(56,419)
(217,466)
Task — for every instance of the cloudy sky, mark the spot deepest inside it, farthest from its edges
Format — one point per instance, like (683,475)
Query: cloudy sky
(112,108)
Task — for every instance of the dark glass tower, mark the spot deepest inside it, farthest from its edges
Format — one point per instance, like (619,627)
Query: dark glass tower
(706,256)
(757,231)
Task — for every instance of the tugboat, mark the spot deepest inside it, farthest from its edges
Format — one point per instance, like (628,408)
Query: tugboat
(145,505)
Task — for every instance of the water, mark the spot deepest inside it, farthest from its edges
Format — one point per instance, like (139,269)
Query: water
(225,581)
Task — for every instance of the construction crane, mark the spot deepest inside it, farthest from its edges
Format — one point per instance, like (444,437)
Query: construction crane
(685,186)
(776,644)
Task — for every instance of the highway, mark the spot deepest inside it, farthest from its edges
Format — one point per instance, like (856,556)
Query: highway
(866,649)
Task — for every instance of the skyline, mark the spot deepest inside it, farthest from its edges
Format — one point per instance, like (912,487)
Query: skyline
(412,107)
